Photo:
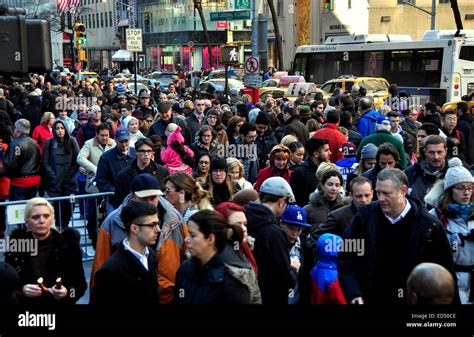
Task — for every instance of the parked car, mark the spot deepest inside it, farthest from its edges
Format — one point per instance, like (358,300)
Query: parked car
(217,85)
(220,73)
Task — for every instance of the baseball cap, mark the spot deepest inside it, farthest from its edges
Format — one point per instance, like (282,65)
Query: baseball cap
(144,94)
(145,185)
(348,149)
(83,116)
(295,215)
(121,96)
(383,120)
(278,187)
(122,134)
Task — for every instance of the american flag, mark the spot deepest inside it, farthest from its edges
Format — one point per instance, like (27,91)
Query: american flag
(62,5)
(74,6)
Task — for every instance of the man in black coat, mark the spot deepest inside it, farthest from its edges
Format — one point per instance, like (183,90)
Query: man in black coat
(395,233)
(303,179)
(271,245)
(166,117)
(129,275)
(265,139)
(114,160)
(142,164)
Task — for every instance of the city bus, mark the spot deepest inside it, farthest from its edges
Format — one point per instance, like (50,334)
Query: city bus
(438,68)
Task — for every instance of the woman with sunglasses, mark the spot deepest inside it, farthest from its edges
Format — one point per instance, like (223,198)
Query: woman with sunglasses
(186,194)
(207,277)
(233,128)
(279,159)
(454,206)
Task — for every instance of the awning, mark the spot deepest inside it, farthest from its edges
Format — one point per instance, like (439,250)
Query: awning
(122,55)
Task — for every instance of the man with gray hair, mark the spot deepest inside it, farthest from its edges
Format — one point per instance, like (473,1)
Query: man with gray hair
(368,116)
(399,234)
(22,163)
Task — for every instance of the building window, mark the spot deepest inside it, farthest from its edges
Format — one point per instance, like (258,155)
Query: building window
(413,2)
(110,19)
(102,20)
(280,10)
(106,20)
(97,19)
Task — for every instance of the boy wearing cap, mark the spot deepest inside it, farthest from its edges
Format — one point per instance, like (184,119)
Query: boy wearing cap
(348,165)
(114,161)
(293,222)
(383,135)
(170,248)
(271,245)
(129,275)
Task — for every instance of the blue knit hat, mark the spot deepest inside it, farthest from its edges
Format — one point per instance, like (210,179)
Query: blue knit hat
(120,88)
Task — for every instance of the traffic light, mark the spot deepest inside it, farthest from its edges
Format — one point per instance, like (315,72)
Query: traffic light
(82,55)
(328,5)
(80,31)
(230,54)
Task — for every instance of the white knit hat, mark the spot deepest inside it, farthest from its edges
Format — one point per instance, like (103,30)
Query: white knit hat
(456,174)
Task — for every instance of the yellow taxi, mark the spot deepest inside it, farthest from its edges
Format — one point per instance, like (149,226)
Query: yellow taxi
(92,76)
(452,106)
(376,87)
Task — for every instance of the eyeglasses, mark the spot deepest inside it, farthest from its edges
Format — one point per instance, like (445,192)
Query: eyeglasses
(145,151)
(463,188)
(151,224)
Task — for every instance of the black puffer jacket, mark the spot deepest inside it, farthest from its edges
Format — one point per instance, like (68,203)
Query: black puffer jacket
(64,260)
(303,181)
(271,253)
(208,284)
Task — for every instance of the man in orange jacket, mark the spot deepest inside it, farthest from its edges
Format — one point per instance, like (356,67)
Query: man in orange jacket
(170,248)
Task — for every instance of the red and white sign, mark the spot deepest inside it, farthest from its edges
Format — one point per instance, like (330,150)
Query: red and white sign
(78,66)
(252,65)
(222,24)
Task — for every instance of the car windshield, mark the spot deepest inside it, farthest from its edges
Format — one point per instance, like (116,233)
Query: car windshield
(374,85)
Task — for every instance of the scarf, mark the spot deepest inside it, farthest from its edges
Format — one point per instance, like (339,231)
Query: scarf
(463,211)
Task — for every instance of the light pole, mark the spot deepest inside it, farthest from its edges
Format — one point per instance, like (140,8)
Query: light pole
(432,13)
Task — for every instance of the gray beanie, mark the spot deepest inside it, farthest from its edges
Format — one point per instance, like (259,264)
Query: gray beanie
(456,174)
(369,151)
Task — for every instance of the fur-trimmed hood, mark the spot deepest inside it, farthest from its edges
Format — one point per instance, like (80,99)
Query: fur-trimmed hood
(433,196)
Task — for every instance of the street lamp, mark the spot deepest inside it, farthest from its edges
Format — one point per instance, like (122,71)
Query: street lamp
(432,13)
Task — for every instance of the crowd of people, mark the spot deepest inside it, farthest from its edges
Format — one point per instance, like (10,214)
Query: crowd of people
(217,199)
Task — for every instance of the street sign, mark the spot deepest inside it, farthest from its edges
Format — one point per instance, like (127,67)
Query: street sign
(252,65)
(222,24)
(230,54)
(253,81)
(242,4)
(134,40)
(78,66)
(230,16)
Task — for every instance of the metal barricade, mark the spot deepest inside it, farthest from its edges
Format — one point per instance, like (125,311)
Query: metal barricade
(14,216)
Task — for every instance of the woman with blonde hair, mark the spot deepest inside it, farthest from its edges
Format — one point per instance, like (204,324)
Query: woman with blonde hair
(44,130)
(288,139)
(236,172)
(186,194)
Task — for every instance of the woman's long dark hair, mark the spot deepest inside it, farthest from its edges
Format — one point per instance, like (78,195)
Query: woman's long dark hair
(66,139)
(6,128)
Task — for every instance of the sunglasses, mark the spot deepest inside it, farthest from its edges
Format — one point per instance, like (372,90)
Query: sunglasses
(281,150)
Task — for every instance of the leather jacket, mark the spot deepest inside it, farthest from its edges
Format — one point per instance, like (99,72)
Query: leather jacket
(23,158)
